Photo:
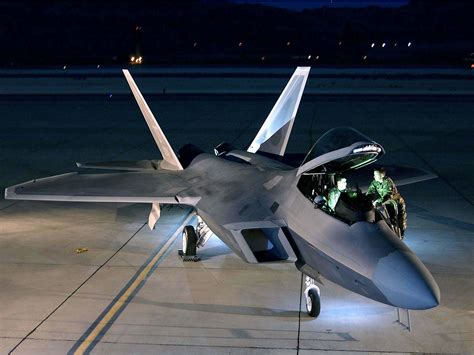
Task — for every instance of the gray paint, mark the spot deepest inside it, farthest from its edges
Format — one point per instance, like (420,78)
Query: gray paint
(230,196)
(261,193)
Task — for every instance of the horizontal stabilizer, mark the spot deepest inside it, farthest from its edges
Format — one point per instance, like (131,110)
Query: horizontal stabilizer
(274,134)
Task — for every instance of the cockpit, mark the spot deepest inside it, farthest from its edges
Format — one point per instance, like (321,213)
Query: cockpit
(335,153)
(352,205)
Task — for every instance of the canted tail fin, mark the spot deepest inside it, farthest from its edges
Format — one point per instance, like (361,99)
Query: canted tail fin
(274,134)
(170,160)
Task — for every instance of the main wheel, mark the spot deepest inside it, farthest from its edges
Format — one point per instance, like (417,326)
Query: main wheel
(189,241)
(313,303)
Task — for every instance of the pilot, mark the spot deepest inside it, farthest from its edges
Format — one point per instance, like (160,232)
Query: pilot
(335,192)
(383,191)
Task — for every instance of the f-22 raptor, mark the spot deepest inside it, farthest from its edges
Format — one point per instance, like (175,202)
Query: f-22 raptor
(266,209)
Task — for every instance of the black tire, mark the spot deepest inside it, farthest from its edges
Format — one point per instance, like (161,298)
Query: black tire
(189,241)
(313,303)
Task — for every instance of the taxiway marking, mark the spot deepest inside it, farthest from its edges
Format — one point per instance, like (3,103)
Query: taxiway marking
(119,304)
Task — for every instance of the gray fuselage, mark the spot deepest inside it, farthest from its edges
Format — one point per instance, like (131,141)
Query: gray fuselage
(366,258)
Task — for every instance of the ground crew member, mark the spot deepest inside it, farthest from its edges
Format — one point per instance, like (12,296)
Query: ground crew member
(384,191)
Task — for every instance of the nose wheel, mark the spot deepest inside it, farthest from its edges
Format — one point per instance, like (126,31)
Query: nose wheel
(312,297)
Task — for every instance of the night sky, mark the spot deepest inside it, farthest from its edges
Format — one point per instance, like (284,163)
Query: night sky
(310,4)
(242,32)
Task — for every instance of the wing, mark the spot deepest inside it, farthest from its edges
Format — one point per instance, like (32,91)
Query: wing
(274,134)
(135,187)
(138,165)
(152,181)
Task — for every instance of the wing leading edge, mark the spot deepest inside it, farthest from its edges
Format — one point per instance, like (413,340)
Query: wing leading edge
(133,187)
(274,134)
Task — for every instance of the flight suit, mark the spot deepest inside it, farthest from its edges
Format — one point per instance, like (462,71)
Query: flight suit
(386,193)
(334,194)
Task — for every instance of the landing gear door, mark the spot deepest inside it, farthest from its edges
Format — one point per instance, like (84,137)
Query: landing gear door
(339,150)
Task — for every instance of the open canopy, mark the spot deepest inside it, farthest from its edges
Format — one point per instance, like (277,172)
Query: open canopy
(341,149)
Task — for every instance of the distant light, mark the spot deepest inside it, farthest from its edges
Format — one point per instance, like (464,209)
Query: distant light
(195,44)
(64,68)
(98,66)
(395,44)
(288,43)
(263,58)
(309,57)
(409,44)
(372,45)
(383,44)
(472,66)
(364,57)
(317,57)
(340,42)
(136,60)
(241,44)
(110,96)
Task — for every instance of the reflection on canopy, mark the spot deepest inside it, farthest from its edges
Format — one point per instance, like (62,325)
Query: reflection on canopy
(336,138)
(364,151)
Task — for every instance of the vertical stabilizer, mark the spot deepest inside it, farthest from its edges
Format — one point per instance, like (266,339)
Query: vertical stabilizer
(274,134)
(170,160)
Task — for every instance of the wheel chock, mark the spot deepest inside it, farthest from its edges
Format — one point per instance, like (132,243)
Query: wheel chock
(194,258)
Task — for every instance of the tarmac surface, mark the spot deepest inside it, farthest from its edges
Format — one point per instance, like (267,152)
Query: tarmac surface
(131,293)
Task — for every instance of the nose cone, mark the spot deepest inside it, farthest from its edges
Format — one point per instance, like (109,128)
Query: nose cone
(405,281)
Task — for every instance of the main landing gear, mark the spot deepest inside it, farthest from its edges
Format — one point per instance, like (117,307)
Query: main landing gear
(193,239)
(188,253)
(312,297)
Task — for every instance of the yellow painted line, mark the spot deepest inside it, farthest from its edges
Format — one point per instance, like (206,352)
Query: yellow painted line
(121,301)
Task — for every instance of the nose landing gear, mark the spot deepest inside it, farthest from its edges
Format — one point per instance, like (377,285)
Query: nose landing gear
(312,297)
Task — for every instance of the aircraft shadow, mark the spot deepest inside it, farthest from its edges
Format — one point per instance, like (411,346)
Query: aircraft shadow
(132,213)
(226,309)
(211,252)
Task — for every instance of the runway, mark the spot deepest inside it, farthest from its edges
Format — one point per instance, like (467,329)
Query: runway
(131,293)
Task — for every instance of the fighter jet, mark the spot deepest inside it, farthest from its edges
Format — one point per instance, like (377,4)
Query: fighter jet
(266,207)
